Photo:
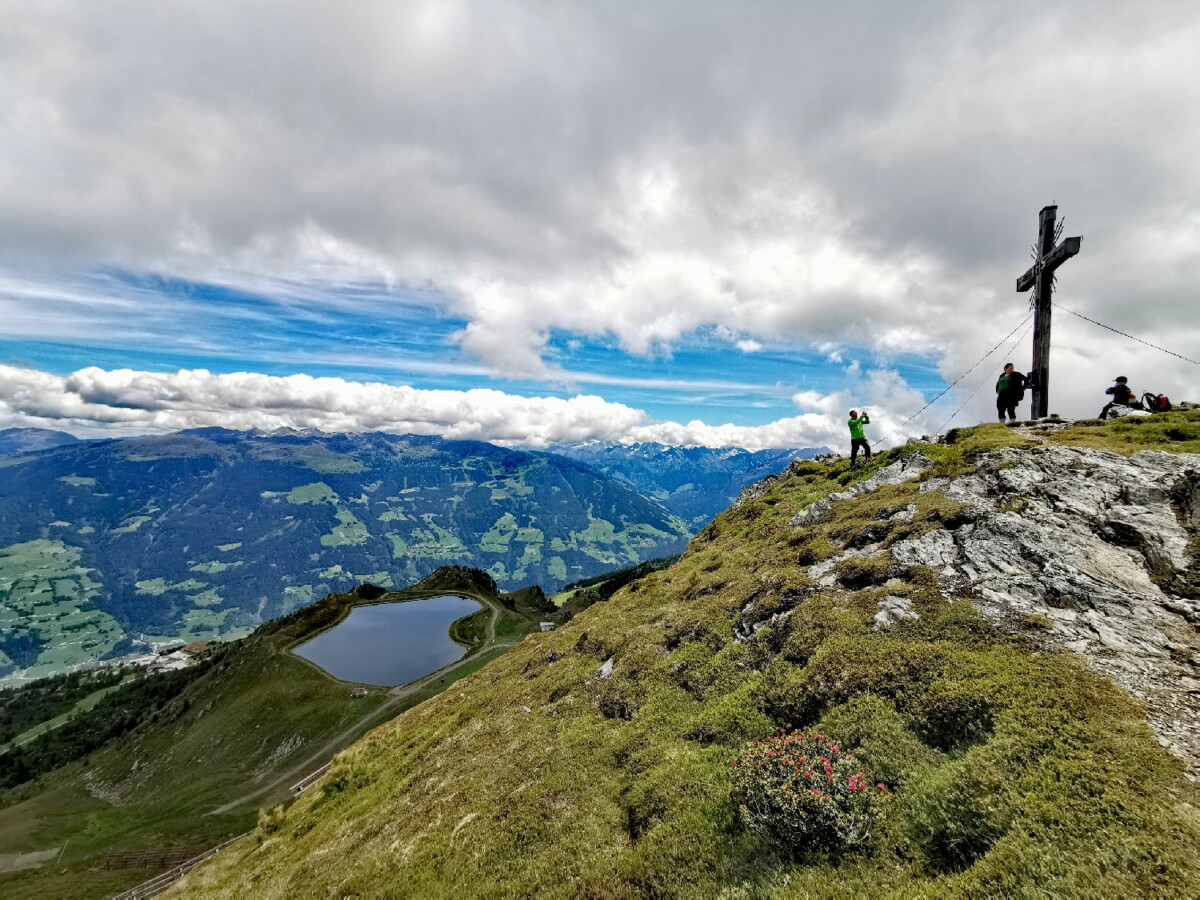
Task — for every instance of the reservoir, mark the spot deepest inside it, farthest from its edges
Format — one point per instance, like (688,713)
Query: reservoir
(392,643)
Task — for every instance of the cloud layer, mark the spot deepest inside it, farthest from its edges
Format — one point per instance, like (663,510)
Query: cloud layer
(862,174)
(96,402)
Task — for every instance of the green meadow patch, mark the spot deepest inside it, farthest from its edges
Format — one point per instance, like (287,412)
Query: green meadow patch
(48,621)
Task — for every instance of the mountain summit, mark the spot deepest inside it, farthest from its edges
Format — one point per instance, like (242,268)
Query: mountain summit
(997,631)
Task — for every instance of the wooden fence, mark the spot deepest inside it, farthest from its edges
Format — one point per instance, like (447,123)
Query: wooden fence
(151,859)
(145,859)
(160,883)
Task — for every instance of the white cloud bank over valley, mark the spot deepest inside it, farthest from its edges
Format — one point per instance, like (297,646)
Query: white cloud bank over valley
(98,402)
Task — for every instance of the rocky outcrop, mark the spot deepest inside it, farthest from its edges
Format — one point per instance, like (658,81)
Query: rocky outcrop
(1097,551)
(904,470)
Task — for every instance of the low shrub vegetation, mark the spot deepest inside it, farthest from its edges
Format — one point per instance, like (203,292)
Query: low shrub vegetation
(803,794)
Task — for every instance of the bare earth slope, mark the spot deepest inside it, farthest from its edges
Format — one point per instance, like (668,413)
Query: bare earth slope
(925,617)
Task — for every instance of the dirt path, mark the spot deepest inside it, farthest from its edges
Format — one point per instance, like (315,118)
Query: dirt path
(396,696)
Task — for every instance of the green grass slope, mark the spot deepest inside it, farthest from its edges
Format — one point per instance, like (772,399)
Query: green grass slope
(1013,772)
(195,771)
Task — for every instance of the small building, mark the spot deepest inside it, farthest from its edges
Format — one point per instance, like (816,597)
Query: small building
(358,692)
(546,626)
(195,648)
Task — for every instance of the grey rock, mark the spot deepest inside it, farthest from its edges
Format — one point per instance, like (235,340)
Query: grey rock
(1098,544)
(902,470)
(605,670)
(893,609)
(1122,412)
(823,572)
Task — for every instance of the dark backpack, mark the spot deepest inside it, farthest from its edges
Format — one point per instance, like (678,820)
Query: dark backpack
(1156,402)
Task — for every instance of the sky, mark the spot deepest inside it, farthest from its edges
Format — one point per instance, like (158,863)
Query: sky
(537,222)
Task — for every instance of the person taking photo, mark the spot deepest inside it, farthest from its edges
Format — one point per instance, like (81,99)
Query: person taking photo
(858,440)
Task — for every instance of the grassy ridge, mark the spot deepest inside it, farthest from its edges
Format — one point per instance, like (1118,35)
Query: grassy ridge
(1014,772)
(257,713)
(154,788)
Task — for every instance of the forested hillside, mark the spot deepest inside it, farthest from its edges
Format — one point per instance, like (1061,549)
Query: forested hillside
(113,545)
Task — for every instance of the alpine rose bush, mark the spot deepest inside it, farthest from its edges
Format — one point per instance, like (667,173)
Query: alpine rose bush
(801,792)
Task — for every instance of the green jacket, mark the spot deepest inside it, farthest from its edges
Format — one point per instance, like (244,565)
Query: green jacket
(856,426)
(1012,384)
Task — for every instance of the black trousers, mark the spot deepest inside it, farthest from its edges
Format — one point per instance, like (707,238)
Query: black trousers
(1006,404)
(855,444)
(1136,404)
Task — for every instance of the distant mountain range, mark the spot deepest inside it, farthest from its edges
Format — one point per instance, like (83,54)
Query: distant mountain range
(206,533)
(24,440)
(695,483)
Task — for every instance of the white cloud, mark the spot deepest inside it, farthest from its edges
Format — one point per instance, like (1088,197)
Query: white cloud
(123,401)
(814,173)
(747,345)
(96,402)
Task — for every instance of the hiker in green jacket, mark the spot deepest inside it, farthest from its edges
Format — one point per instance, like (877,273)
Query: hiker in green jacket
(857,440)
(1010,390)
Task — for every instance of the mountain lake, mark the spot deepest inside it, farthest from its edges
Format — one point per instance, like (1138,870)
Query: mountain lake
(391,643)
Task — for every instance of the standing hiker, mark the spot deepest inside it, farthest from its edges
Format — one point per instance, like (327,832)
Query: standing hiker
(1010,390)
(1122,395)
(857,440)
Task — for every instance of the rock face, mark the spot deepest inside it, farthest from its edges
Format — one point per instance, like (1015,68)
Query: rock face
(1098,550)
(907,468)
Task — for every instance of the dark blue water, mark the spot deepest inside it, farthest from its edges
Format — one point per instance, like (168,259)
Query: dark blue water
(392,643)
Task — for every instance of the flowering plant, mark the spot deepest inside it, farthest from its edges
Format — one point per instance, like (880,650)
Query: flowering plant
(802,792)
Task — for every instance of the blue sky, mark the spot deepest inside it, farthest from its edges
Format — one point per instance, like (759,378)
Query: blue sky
(376,334)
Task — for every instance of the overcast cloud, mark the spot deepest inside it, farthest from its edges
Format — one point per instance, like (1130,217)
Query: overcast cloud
(858,174)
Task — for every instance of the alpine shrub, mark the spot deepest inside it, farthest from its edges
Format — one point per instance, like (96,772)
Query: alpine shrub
(801,792)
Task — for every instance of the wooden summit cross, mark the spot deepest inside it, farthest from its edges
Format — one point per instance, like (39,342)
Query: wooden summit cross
(1040,277)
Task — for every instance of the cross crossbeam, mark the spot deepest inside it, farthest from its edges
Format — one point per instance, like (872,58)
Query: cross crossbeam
(1057,257)
(1040,277)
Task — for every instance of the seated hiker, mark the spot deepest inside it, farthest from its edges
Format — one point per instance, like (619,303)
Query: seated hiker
(1122,395)
(857,440)
(1010,390)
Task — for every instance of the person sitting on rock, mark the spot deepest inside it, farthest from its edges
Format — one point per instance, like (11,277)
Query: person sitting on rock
(857,440)
(1010,390)
(1122,395)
